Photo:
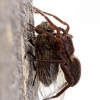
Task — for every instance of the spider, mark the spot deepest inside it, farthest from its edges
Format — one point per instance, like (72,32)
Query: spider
(54,57)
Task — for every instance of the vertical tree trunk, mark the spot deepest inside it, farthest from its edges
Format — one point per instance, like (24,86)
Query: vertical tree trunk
(15,72)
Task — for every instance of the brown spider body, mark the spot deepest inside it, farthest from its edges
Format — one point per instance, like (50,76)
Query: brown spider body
(47,50)
(53,49)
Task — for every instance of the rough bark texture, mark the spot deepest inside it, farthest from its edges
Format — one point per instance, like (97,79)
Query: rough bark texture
(15,72)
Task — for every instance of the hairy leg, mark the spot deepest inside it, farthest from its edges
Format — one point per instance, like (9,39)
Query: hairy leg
(68,27)
(53,25)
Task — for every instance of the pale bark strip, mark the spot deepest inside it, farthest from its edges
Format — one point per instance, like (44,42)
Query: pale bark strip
(15,72)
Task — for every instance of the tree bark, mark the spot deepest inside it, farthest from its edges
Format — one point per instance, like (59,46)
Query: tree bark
(16,73)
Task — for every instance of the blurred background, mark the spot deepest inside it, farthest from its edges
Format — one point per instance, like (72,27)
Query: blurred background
(83,16)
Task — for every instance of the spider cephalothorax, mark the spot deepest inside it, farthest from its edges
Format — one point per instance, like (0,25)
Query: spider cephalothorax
(46,27)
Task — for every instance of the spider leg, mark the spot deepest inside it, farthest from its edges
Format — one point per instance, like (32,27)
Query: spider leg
(68,27)
(33,65)
(57,40)
(69,79)
(53,25)
(35,75)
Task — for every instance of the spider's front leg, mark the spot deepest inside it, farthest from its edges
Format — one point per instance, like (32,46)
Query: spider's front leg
(68,27)
(49,21)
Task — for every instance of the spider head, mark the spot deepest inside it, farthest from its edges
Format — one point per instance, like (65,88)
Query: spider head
(46,27)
